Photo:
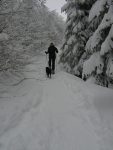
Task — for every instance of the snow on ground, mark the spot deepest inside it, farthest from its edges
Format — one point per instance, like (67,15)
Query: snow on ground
(62,113)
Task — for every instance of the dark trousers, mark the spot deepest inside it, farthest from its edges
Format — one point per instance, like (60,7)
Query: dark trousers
(52,63)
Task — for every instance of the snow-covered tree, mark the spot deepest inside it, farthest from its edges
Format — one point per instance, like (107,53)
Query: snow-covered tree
(75,35)
(30,27)
(87,48)
(100,44)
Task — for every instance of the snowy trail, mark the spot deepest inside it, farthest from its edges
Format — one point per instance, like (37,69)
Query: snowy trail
(59,114)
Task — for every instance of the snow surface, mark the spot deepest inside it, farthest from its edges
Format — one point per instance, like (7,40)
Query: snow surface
(62,113)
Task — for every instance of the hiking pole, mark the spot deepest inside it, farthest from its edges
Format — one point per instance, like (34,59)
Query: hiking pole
(56,63)
(46,60)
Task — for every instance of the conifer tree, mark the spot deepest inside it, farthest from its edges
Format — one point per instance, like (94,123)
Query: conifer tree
(75,37)
(87,48)
(99,46)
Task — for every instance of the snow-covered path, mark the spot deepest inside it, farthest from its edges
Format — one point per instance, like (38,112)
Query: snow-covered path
(63,113)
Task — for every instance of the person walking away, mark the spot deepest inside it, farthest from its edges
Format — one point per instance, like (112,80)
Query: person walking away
(52,50)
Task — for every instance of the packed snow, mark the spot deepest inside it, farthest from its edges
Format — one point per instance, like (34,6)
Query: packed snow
(62,113)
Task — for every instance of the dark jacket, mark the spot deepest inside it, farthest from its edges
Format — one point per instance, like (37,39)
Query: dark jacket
(52,50)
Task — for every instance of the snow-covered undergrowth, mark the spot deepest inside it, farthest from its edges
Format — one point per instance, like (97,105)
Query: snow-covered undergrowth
(63,113)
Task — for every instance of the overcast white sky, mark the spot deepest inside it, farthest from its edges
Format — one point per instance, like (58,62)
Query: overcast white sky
(56,5)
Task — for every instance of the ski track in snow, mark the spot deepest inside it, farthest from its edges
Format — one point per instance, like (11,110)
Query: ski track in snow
(63,113)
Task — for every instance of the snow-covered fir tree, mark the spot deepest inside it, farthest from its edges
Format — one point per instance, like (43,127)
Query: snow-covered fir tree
(75,37)
(99,46)
(88,51)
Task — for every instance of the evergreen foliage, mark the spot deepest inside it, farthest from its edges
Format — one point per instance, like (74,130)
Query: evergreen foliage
(88,43)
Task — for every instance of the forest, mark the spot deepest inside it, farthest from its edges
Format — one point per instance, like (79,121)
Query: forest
(27,27)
